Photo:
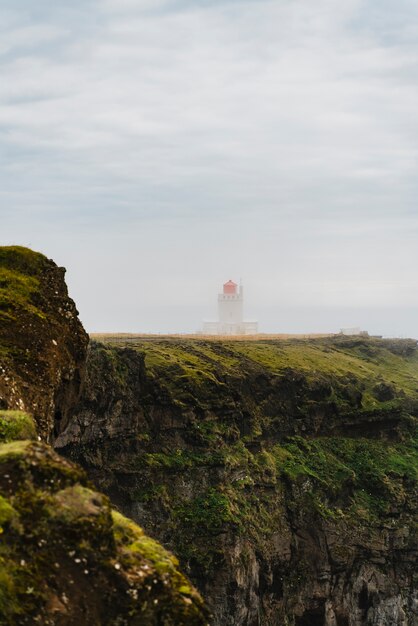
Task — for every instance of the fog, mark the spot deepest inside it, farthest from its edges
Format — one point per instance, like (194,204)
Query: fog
(157,149)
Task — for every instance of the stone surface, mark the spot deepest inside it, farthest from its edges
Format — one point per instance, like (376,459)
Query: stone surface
(66,557)
(42,342)
(287,489)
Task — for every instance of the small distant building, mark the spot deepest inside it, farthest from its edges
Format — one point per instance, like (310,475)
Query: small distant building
(354,331)
(230,314)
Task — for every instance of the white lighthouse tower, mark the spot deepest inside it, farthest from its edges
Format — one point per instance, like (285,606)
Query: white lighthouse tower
(230,313)
(230,304)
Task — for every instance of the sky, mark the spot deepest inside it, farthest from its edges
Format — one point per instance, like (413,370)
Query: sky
(157,148)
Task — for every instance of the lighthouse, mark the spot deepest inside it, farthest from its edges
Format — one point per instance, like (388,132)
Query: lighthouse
(230,313)
(230,304)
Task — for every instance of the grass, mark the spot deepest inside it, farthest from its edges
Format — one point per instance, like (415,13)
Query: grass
(15,425)
(20,293)
(7,513)
(207,513)
(342,470)
(22,260)
(201,374)
(337,479)
(16,294)
(235,465)
(199,369)
(20,270)
(359,480)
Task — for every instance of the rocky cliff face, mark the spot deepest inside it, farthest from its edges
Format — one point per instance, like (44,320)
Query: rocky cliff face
(66,557)
(283,474)
(42,342)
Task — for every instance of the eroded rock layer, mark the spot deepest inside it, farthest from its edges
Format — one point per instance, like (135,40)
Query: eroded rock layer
(66,557)
(42,342)
(282,473)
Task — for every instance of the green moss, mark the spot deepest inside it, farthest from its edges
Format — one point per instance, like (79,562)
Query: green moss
(76,502)
(60,534)
(22,259)
(15,425)
(346,371)
(149,549)
(18,291)
(236,403)
(208,513)
(21,298)
(9,604)
(117,368)
(333,478)
(134,542)
(7,513)
(12,450)
(371,474)
(18,283)
(178,459)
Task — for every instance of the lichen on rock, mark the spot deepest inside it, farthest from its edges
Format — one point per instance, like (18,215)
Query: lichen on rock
(15,425)
(42,342)
(66,557)
(275,471)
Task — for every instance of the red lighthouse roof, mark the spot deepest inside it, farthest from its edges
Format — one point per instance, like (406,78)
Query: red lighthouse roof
(230,287)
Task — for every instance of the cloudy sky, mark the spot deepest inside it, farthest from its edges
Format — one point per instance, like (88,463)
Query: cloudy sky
(157,148)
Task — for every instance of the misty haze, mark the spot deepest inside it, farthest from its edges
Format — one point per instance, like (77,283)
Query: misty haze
(208,313)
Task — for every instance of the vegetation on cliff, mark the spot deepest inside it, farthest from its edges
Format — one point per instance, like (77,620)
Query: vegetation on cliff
(282,473)
(66,556)
(296,459)
(358,372)
(42,342)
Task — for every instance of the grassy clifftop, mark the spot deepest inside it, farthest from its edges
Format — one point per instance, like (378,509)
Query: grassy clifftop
(282,472)
(19,282)
(364,379)
(42,342)
(340,411)
(369,360)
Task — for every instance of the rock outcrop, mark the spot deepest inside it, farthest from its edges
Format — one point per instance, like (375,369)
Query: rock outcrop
(42,342)
(283,474)
(66,557)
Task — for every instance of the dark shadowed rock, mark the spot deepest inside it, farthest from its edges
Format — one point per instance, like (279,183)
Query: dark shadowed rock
(287,489)
(42,342)
(66,557)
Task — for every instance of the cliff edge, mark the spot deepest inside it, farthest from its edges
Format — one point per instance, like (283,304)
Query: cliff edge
(43,344)
(66,557)
(282,473)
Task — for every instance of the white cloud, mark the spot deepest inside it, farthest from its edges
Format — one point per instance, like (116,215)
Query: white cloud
(277,121)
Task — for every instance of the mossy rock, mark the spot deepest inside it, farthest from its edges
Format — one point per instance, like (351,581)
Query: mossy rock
(42,342)
(66,557)
(15,425)
(7,513)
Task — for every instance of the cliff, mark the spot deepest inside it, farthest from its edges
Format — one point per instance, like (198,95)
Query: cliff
(66,557)
(42,342)
(282,473)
